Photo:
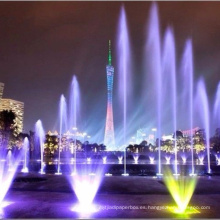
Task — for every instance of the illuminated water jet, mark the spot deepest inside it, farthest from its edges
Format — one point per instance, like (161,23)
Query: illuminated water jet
(154,49)
(123,50)
(74,113)
(183,157)
(151,158)
(181,189)
(169,70)
(217,159)
(40,137)
(201,159)
(62,117)
(25,149)
(187,86)
(85,188)
(136,159)
(120,158)
(7,174)
(203,109)
(167,159)
(104,159)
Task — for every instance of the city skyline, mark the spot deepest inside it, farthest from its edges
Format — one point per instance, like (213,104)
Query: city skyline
(44,43)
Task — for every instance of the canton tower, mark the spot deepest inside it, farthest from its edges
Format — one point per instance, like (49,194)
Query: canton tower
(109,140)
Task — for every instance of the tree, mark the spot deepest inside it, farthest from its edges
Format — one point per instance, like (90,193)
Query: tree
(7,129)
(215,141)
(7,120)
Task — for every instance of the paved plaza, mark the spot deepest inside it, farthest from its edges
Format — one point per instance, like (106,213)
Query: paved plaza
(51,196)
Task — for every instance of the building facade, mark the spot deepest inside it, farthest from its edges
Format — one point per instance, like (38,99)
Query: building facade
(18,109)
(109,139)
(1,90)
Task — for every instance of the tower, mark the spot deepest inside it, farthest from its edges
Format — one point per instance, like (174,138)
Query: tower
(109,139)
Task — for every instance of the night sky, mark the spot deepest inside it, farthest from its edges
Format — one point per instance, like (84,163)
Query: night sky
(42,44)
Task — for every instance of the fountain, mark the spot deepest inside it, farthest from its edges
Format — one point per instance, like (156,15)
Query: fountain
(120,158)
(8,169)
(9,160)
(74,112)
(104,159)
(184,158)
(201,157)
(136,157)
(181,189)
(154,51)
(124,68)
(25,149)
(217,156)
(204,111)
(151,158)
(63,121)
(217,105)
(167,159)
(169,70)
(85,188)
(40,137)
(187,86)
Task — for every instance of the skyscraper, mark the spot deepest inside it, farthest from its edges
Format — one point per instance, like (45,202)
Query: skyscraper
(109,139)
(16,107)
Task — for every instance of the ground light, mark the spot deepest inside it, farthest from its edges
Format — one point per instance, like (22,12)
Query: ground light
(2,206)
(181,189)
(85,188)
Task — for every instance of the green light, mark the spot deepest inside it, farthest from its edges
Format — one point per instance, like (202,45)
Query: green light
(181,189)
(109,54)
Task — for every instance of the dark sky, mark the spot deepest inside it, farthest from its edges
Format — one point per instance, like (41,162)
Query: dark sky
(42,44)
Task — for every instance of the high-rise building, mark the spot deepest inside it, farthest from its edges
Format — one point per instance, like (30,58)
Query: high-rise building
(1,90)
(109,139)
(16,107)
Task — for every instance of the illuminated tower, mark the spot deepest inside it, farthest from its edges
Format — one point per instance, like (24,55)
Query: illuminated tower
(109,140)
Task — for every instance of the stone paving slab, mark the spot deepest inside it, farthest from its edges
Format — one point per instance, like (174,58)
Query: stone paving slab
(118,197)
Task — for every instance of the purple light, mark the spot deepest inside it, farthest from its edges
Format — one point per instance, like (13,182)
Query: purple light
(104,159)
(167,159)
(85,210)
(184,158)
(120,159)
(6,176)
(85,188)
(136,159)
(201,159)
(151,159)
(217,159)
(2,206)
